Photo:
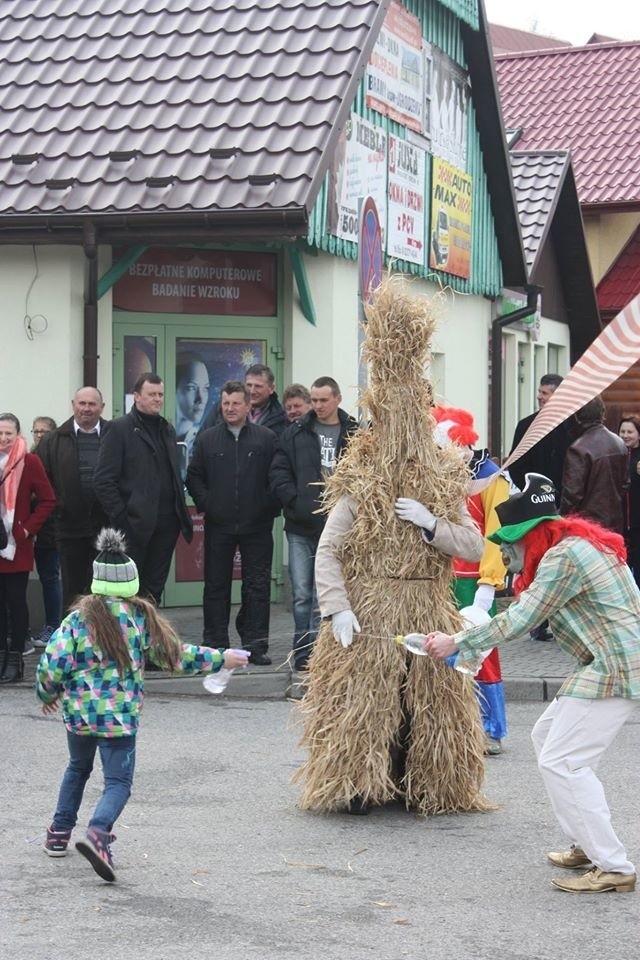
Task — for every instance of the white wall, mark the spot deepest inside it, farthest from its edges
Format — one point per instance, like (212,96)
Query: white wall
(39,373)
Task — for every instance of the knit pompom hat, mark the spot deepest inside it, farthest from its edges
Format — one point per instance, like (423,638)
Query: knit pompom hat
(114,573)
(454,425)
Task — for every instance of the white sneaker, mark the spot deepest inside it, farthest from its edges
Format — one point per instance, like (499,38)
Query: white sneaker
(43,638)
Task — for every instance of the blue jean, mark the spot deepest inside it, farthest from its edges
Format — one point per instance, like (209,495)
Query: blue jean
(48,568)
(118,757)
(306,615)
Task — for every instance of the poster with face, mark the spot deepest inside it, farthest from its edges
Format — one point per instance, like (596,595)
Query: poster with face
(202,367)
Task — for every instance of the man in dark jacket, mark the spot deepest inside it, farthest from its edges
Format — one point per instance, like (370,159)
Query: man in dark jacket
(545,457)
(596,471)
(228,479)
(307,453)
(264,406)
(69,455)
(138,484)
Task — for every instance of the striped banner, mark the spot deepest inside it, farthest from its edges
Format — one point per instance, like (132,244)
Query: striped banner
(614,351)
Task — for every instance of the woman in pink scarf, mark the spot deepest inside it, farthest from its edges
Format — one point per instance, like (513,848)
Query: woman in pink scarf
(26,500)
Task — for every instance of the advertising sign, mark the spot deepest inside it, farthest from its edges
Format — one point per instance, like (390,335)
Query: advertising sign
(359,170)
(406,223)
(185,280)
(448,104)
(394,78)
(451,211)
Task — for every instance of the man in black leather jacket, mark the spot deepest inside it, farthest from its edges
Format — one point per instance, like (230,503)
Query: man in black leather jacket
(228,479)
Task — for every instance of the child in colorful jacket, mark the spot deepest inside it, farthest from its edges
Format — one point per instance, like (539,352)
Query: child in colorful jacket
(94,665)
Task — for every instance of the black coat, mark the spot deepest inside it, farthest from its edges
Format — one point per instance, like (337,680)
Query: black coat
(273,417)
(229,479)
(73,517)
(296,473)
(128,478)
(545,457)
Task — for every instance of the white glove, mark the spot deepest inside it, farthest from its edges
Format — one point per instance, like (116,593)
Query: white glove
(484,596)
(344,623)
(415,512)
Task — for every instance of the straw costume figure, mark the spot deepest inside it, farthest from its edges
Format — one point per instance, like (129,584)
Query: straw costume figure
(379,723)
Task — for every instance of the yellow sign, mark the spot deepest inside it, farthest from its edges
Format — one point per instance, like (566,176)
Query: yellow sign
(451,209)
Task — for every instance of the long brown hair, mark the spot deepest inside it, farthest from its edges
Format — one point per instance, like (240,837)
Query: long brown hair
(108,635)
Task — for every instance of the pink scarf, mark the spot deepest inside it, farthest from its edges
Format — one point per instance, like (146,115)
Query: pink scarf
(9,483)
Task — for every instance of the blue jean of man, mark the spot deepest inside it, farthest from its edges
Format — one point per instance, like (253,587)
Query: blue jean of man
(118,757)
(306,615)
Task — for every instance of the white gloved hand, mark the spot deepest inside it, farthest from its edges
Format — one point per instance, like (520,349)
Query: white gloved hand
(415,512)
(484,596)
(343,624)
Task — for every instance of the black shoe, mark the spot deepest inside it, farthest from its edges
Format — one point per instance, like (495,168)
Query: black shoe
(13,669)
(358,807)
(541,633)
(301,667)
(260,659)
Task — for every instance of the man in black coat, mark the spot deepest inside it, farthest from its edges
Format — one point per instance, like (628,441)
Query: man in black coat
(228,479)
(69,456)
(138,484)
(307,453)
(545,457)
(264,406)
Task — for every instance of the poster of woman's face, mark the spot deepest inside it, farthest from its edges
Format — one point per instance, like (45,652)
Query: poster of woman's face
(202,366)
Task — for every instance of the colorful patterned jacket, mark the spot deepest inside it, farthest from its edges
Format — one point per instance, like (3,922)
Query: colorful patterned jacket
(96,700)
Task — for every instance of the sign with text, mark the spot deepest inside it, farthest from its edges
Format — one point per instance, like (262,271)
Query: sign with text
(190,281)
(446,107)
(359,170)
(394,78)
(406,223)
(451,211)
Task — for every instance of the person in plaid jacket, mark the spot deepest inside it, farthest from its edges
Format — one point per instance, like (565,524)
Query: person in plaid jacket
(573,572)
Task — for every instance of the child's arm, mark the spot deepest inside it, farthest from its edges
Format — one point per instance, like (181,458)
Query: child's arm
(56,663)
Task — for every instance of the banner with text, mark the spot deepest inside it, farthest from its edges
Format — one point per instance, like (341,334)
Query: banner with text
(451,212)
(395,78)
(359,169)
(184,280)
(406,221)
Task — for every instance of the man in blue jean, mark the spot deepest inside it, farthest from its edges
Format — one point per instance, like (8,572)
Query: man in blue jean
(306,454)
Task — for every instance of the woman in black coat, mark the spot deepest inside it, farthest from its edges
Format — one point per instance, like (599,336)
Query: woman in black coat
(629,431)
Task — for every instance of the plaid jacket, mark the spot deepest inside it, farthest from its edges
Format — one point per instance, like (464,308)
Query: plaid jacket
(96,700)
(593,607)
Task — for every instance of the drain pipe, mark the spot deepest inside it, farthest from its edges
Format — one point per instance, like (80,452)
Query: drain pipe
(495,439)
(90,353)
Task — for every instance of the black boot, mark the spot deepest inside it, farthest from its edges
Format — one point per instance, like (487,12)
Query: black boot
(13,668)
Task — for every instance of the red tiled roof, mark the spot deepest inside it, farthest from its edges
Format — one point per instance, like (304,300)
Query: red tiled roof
(162,106)
(621,282)
(512,40)
(582,99)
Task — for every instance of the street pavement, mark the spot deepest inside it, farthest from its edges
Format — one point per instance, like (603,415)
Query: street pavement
(531,669)
(215,860)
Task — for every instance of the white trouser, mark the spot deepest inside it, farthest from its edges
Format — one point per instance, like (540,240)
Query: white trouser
(569,739)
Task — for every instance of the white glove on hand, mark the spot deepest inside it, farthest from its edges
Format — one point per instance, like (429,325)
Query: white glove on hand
(343,624)
(415,512)
(484,596)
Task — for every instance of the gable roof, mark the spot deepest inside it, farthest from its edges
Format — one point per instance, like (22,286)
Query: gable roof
(621,282)
(599,121)
(510,40)
(549,213)
(216,108)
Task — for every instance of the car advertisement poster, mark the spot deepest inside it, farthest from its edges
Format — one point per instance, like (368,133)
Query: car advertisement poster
(406,221)
(451,212)
(359,170)
(394,78)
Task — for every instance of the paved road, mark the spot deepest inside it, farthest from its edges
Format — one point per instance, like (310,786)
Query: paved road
(215,860)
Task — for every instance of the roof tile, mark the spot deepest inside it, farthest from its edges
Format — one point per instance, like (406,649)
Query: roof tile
(172,80)
(583,99)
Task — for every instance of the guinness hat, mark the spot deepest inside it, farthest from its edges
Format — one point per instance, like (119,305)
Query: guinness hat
(524,511)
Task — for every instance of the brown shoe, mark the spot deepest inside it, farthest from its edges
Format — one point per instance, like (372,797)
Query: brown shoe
(597,881)
(573,859)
